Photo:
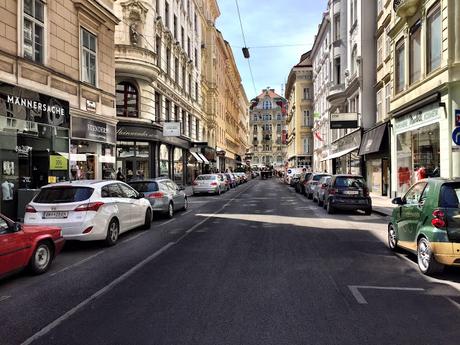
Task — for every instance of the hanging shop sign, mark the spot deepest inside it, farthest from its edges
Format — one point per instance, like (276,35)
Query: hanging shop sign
(58,162)
(23,104)
(93,130)
(171,129)
(343,120)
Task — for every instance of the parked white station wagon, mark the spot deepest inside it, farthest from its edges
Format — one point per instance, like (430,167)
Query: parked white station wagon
(90,210)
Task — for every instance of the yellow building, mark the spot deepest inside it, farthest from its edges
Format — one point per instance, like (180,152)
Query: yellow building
(57,95)
(426,94)
(299,93)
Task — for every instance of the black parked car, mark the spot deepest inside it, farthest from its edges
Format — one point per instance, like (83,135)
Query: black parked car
(347,192)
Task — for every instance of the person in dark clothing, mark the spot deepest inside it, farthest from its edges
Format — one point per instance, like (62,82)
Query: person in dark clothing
(120,176)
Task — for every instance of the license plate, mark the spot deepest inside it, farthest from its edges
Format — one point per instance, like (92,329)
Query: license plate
(351,192)
(55,214)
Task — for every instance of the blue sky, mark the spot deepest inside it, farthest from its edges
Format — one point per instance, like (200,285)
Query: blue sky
(269,23)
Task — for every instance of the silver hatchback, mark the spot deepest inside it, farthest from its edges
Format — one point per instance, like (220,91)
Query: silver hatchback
(164,195)
(209,183)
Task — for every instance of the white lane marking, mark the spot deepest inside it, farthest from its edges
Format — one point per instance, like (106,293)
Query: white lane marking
(167,222)
(354,289)
(96,295)
(134,237)
(3,298)
(78,263)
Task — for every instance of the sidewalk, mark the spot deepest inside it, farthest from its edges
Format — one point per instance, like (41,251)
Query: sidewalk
(382,205)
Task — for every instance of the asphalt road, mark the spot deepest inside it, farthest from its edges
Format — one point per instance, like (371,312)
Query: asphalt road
(257,265)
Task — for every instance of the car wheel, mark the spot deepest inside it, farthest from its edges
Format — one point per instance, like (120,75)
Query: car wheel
(148,219)
(392,238)
(113,231)
(41,258)
(329,208)
(425,258)
(170,213)
(185,204)
(368,211)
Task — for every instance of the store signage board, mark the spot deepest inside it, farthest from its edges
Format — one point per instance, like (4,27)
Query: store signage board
(93,130)
(420,118)
(456,136)
(171,129)
(58,162)
(344,120)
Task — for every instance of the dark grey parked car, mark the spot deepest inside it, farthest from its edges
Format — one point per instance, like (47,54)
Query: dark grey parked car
(347,192)
(164,195)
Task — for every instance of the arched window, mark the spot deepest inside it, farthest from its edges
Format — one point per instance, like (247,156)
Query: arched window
(127,100)
(267,104)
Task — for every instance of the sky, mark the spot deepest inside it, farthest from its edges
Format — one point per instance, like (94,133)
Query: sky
(269,23)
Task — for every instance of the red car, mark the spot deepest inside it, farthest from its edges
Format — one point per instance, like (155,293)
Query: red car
(27,245)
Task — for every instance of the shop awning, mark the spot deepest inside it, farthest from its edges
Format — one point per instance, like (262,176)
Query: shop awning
(372,140)
(340,154)
(195,155)
(203,158)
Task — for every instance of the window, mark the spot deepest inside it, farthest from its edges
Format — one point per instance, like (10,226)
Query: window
(188,46)
(306,93)
(197,129)
(34,14)
(399,66)
(157,106)
(175,27)
(415,54)
(183,78)
(196,91)
(412,197)
(196,58)
(195,23)
(336,27)
(278,128)
(379,105)
(190,125)
(167,14)
(88,58)
(434,38)
(176,113)
(306,118)
(267,105)
(306,145)
(190,84)
(127,192)
(167,110)
(337,71)
(387,41)
(176,70)
(168,62)
(387,97)
(158,50)
(354,60)
(127,100)
(182,36)
(183,122)
(255,129)
(380,50)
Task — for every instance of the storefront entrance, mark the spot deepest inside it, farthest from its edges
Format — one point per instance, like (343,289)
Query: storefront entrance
(134,160)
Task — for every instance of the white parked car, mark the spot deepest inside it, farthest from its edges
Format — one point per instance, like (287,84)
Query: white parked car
(209,183)
(90,210)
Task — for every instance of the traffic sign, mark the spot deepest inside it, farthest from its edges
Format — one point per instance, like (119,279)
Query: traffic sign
(456,135)
(457,117)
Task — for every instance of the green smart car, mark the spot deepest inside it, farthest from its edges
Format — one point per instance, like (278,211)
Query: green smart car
(427,222)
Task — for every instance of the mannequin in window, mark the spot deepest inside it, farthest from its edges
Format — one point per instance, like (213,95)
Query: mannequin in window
(7,190)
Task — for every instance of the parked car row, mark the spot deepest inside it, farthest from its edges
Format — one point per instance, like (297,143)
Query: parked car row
(218,183)
(86,210)
(334,192)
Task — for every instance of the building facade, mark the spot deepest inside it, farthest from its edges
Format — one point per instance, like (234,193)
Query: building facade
(299,121)
(268,131)
(57,96)
(425,91)
(158,84)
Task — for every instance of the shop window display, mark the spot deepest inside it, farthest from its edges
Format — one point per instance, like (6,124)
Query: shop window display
(164,160)
(418,156)
(133,158)
(178,166)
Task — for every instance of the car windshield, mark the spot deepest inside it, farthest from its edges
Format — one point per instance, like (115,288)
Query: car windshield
(450,195)
(144,186)
(353,182)
(206,177)
(63,194)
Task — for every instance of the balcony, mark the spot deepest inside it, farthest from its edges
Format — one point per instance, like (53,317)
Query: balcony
(406,8)
(135,62)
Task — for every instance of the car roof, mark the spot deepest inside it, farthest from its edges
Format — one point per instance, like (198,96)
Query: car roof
(347,175)
(81,183)
(442,179)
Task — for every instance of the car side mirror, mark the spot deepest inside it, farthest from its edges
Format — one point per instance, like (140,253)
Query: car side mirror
(397,201)
(16,227)
(140,195)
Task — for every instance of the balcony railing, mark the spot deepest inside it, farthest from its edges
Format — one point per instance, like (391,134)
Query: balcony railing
(406,8)
(136,61)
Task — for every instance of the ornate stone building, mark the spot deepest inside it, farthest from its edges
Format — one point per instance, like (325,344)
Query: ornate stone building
(268,131)
(299,93)
(57,95)
(158,75)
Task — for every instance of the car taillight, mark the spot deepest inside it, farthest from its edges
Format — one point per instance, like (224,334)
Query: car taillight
(332,191)
(213,183)
(91,206)
(195,183)
(30,209)
(438,220)
(366,191)
(156,195)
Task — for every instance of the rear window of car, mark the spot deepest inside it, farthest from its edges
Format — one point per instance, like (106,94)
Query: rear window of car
(56,195)
(450,195)
(317,177)
(353,182)
(206,177)
(143,187)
